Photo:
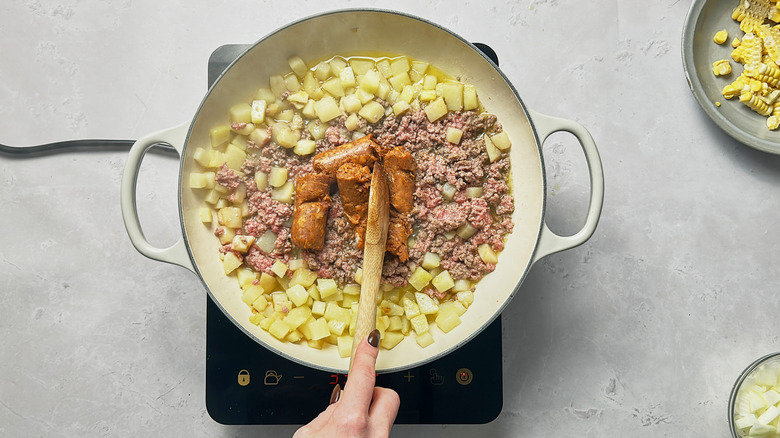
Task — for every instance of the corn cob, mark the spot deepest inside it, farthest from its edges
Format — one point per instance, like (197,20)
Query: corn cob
(751,14)
(755,103)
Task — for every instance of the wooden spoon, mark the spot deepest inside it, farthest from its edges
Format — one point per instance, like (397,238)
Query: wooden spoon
(373,256)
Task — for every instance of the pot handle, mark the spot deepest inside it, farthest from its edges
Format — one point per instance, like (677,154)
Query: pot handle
(549,242)
(176,253)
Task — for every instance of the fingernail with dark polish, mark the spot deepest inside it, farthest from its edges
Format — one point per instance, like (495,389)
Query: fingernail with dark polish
(336,394)
(373,338)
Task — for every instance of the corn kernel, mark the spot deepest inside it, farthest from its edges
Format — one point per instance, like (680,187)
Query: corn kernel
(721,36)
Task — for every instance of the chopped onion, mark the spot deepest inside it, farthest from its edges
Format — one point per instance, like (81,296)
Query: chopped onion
(267,242)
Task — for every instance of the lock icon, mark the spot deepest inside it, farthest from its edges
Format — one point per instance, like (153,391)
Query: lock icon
(243,377)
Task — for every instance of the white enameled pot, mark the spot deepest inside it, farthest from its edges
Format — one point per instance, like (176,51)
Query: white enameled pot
(349,32)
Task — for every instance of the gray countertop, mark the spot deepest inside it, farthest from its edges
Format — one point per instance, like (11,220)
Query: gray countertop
(639,332)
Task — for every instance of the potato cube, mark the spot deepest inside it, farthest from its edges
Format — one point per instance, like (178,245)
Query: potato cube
(315,344)
(297,66)
(327,109)
(399,81)
(318,308)
(261,180)
(205,215)
(284,193)
(336,327)
(231,262)
(400,107)
(390,308)
(436,110)
(267,282)
(452,92)
(302,276)
(447,319)
(349,300)
(465,231)
(352,123)
(242,242)
(427,305)
(399,65)
(465,297)
(372,111)
(391,339)
(279,268)
(487,254)
(227,235)
(286,136)
(352,289)
(294,336)
(234,157)
(420,278)
(260,303)
(291,83)
(492,151)
(411,309)
(243,128)
(219,136)
(396,323)
(369,83)
(443,282)
(260,136)
(473,192)
(297,317)
(351,103)
(359,275)
(265,323)
(229,217)
(419,324)
(361,66)
(344,345)
(247,277)
(334,87)
(336,65)
(314,292)
(241,113)
(322,71)
(197,180)
(304,147)
(470,100)
(298,294)
(501,140)
(424,339)
(319,329)
(334,311)
(251,294)
(431,260)
(279,329)
(453,135)
(327,287)
(310,83)
(298,99)
(347,77)
(257,114)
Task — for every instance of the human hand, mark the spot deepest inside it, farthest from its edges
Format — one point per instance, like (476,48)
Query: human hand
(361,409)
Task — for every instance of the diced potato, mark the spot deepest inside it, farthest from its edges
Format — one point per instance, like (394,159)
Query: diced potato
(424,339)
(369,83)
(227,235)
(336,65)
(349,300)
(246,277)
(305,147)
(334,87)
(241,113)
(396,323)
(420,278)
(317,129)
(351,289)
(431,260)
(390,308)
(443,282)
(452,93)
(399,81)
(278,176)
(487,254)
(501,140)
(347,77)
(318,308)
(419,324)
(327,109)
(314,293)
(361,66)
(359,275)
(279,329)
(276,83)
(399,65)
(400,107)
(298,99)
(344,345)
(205,215)
(470,100)
(286,136)
(351,103)
(234,157)
(465,231)
(322,71)
(427,305)
(411,309)
(337,327)
(447,320)
(294,336)
(352,123)
(260,136)
(473,192)
(493,152)
(319,329)
(372,111)
(257,115)
(291,83)
(242,243)
(251,291)
(297,317)
(436,110)
(298,66)
(466,297)
(219,136)
(260,303)
(453,135)
(279,268)
(303,277)
(462,285)
(197,180)
(231,262)
(229,217)
(297,294)
(391,339)
(327,287)
(284,193)
(334,311)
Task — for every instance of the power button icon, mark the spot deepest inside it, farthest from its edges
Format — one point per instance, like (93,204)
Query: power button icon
(464,376)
